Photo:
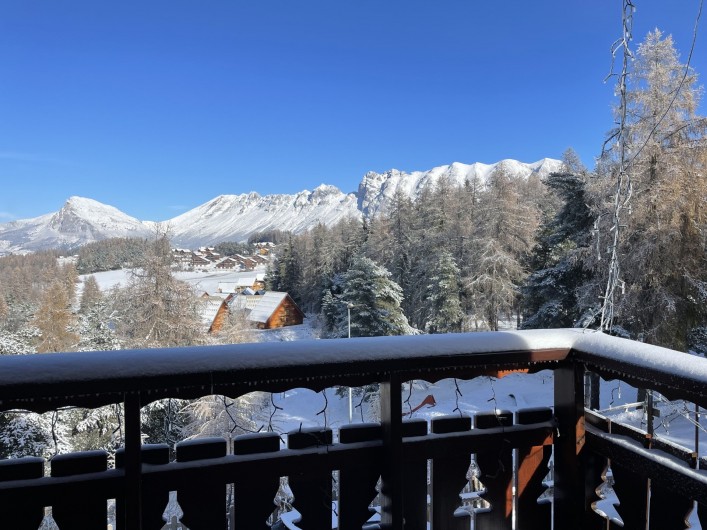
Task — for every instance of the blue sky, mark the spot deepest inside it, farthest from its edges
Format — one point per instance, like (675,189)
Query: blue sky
(156,106)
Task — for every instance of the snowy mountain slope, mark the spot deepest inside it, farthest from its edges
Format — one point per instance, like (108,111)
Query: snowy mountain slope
(79,221)
(236,217)
(377,190)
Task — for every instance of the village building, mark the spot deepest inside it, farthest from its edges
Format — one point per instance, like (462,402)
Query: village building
(228,263)
(182,258)
(275,310)
(269,310)
(248,262)
(255,282)
(264,248)
(200,262)
(247,300)
(214,311)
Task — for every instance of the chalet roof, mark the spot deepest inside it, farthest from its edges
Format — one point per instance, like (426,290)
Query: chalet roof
(247,281)
(267,304)
(227,287)
(209,308)
(222,296)
(244,301)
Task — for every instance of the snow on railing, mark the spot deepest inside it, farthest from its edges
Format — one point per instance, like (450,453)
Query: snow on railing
(396,450)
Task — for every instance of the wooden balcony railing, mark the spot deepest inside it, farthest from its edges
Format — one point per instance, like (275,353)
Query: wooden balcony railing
(422,468)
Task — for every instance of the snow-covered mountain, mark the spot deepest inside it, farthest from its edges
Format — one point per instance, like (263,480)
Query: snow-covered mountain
(376,190)
(236,217)
(79,221)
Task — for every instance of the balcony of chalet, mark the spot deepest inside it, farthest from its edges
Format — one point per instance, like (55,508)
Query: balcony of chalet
(414,474)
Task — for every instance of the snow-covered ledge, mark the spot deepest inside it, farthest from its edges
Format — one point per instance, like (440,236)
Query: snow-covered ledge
(673,373)
(135,377)
(98,377)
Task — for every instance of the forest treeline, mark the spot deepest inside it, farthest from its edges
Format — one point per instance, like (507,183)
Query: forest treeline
(467,257)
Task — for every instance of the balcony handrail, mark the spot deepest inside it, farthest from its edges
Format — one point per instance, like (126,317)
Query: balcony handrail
(136,377)
(91,379)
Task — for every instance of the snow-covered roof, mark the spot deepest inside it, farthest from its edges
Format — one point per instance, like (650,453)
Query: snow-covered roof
(98,378)
(267,304)
(209,308)
(245,301)
(221,295)
(227,287)
(247,281)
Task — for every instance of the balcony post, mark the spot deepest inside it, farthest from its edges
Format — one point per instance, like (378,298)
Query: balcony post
(569,502)
(133,480)
(391,406)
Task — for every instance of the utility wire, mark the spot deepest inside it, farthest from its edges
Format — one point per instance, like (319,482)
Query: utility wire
(623,192)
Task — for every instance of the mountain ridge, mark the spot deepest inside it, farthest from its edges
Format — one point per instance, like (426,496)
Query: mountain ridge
(235,217)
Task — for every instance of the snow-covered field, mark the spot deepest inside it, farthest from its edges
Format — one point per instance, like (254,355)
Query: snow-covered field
(206,281)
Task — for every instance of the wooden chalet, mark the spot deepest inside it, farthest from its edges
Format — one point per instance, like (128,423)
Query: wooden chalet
(276,310)
(262,260)
(266,311)
(214,312)
(228,263)
(199,262)
(264,248)
(259,283)
(247,300)
(182,257)
(248,263)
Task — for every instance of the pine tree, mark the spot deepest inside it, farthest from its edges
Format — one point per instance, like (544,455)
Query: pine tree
(55,321)
(156,309)
(286,271)
(493,286)
(25,434)
(69,277)
(90,295)
(550,292)
(96,331)
(444,313)
(19,342)
(161,421)
(375,301)
(4,311)
(332,314)
(99,428)
(222,416)
(506,225)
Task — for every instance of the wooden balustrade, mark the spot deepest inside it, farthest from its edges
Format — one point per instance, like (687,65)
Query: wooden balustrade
(422,469)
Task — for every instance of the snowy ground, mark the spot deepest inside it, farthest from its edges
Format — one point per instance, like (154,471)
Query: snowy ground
(303,407)
(202,281)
